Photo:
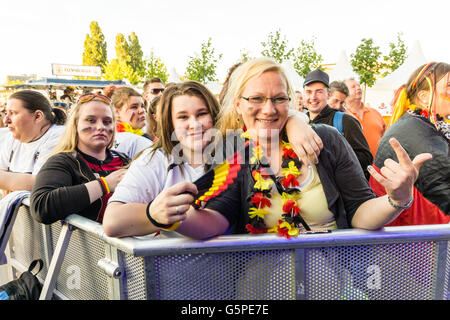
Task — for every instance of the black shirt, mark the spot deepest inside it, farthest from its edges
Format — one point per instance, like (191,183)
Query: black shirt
(352,132)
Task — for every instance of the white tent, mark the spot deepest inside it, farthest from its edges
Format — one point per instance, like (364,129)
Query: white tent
(384,89)
(174,76)
(343,69)
(294,78)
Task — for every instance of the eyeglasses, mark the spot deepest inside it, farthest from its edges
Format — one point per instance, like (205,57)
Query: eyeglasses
(88,97)
(259,100)
(156,91)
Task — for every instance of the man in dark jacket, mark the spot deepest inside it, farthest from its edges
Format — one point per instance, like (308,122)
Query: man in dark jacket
(316,87)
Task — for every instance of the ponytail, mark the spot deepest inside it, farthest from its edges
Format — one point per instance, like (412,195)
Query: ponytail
(59,116)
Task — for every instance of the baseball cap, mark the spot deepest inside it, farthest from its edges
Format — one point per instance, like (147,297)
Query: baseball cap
(317,76)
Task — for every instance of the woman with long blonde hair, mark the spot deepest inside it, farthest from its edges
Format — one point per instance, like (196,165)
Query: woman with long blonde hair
(83,172)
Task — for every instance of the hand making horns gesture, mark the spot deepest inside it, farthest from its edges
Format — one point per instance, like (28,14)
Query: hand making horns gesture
(398,178)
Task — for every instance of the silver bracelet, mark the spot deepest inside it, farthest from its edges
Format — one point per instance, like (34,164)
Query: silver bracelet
(396,206)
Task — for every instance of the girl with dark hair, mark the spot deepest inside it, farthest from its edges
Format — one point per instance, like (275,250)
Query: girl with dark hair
(34,129)
(421,123)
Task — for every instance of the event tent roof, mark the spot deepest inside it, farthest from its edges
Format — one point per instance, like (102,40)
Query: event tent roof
(383,90)
(400,76)
(294,78)
(343,69)
(56,82)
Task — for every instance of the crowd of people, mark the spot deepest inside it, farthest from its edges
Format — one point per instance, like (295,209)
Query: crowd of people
(311,159)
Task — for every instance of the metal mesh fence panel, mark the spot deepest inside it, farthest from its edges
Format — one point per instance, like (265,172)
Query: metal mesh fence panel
(243,275)
(399,271)
(27,240)
(447,275)
(80,278)
(134,278)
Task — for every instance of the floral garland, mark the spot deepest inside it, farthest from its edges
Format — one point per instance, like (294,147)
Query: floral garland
(291,219)
(126,127)
(441,125)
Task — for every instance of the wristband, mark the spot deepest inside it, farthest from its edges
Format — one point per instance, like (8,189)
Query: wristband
(396,206)
(102,186)
(173,227)
(154,222)
(103,180)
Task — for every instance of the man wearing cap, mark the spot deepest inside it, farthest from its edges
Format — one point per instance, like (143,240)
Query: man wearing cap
(316,94)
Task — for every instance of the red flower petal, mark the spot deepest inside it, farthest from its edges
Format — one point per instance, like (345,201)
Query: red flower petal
(260,200)
(254,230)
(288,206)
(284,232)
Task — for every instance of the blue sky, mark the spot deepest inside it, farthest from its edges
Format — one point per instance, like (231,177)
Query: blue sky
(35,34)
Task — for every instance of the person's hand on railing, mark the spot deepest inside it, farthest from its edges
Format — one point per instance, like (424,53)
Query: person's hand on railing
(171,204)
(114,178)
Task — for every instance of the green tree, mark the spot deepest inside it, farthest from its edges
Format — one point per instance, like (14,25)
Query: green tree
(128,63)
(95,53)
(154,67)
(366,62)
(202,67)
(276,48)
(120,67)
(396,56)
(137,62)
(306,58)
(245,56)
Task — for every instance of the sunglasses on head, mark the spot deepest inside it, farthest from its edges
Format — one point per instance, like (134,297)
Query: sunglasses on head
(88,97)
(60,104)
(156,91)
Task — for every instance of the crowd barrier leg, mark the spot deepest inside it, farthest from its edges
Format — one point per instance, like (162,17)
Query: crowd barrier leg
(56,262)
(441,270)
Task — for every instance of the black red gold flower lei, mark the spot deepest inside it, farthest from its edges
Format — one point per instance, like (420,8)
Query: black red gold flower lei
(259,199)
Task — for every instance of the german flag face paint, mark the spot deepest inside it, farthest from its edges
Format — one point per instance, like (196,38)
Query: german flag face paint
(87,129)
(133,112)
(133,116)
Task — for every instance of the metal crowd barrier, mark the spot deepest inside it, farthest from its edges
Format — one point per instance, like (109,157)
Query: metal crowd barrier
(395,263)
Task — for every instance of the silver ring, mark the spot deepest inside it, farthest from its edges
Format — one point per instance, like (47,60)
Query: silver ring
(176,210)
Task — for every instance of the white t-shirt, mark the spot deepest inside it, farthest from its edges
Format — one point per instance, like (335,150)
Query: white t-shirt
(130,144)
(22,157)
(3,132)
(147,177)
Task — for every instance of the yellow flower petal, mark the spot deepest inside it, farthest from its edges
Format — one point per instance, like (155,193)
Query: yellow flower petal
(292,196)
(245,135)
(286,145)
(261,183)
(292,169)
(257,154)
(257,212)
